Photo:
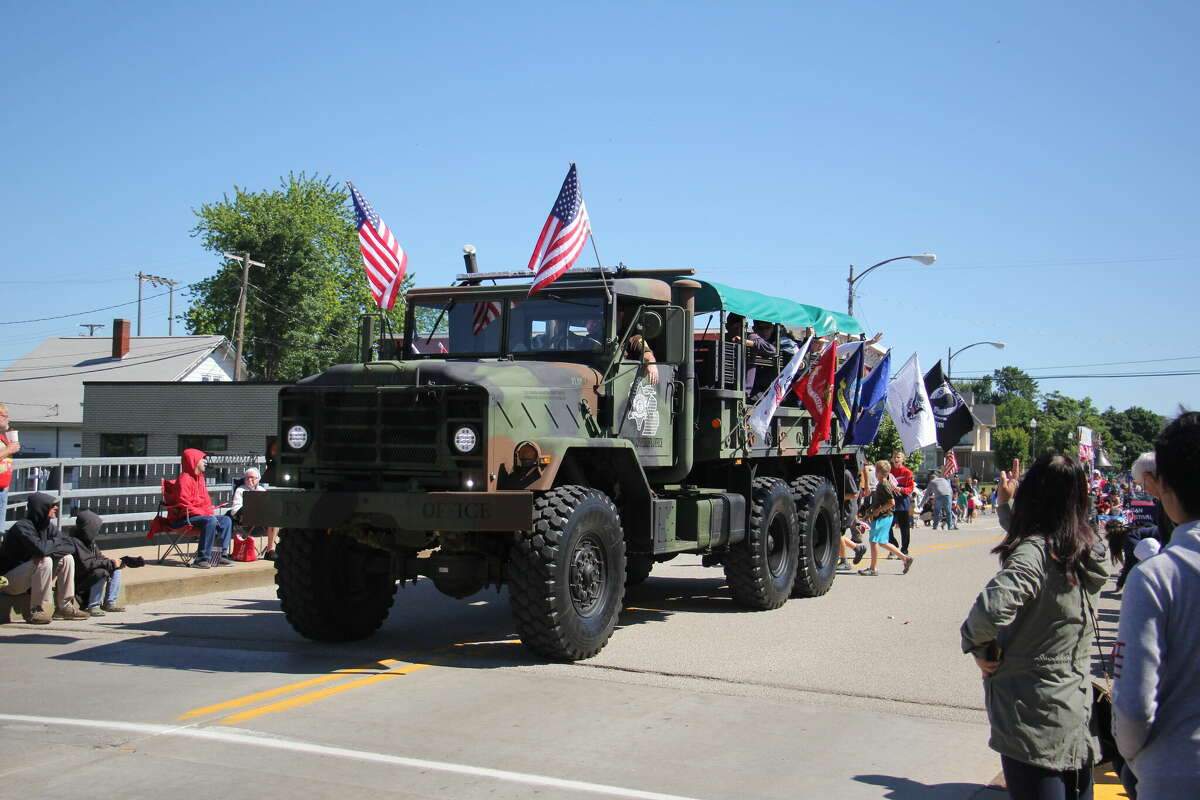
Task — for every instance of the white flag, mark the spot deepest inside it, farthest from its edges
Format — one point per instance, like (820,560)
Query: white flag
(768,404)
(908,406)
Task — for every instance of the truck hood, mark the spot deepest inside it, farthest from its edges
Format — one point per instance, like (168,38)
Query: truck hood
(493,375)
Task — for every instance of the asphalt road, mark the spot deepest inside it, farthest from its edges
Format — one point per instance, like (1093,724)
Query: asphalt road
(862,693)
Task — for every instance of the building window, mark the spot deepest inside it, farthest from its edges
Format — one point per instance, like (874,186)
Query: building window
(122,445)
(209,444)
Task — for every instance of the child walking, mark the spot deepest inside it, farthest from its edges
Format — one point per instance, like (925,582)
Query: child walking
(878,511)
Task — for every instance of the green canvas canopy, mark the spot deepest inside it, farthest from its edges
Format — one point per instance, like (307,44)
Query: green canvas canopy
(755,305)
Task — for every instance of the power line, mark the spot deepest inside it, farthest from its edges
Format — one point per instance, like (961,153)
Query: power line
(81,313)
(1116,363)
(1182,373)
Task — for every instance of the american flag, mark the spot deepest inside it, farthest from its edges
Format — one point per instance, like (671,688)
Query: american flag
(562,237)
(485,314)
(383,258)
(950,468)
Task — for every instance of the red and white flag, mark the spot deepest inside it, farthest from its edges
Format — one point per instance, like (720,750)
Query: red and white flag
(562,237)
(768,404)
(485,314)
(383,258)
(815,391)
(950,468)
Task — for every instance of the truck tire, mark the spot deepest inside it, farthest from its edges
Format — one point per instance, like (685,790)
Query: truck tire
(637,568)
(332,588)
(566,575)
(762,568)
(817,515)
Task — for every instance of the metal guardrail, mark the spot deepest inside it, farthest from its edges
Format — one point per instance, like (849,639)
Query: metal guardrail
(124,491)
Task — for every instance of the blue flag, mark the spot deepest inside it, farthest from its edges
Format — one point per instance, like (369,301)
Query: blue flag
(846,386)
(874,401)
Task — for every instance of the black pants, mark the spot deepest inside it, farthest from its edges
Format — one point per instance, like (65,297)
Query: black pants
(1027,782)
(904,520)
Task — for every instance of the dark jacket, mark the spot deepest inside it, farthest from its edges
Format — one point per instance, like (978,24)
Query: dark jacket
(90,564)
(1039,700)
(35,536)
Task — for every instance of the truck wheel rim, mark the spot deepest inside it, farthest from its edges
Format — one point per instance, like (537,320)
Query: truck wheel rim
(587,577)
(777,545)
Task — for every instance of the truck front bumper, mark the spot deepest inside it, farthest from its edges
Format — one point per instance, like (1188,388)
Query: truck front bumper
(411,511)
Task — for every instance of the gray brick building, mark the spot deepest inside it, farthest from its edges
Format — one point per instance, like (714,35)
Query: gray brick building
(161,418)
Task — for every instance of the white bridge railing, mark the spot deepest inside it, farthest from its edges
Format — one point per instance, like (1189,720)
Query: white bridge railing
(124,491)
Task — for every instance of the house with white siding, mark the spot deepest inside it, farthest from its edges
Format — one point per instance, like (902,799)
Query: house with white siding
(44,390)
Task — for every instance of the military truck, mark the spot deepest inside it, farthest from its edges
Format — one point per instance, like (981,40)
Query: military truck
(560,445)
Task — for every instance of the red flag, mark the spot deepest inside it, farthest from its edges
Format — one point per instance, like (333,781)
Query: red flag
(950,468)
(815,391)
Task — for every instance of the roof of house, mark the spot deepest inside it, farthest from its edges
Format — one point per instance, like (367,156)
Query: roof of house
(46,386)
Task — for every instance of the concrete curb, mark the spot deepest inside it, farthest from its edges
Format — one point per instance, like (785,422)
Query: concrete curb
(157,581)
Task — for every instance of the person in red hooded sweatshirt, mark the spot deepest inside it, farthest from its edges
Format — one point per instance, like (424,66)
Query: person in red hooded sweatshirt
(192,506)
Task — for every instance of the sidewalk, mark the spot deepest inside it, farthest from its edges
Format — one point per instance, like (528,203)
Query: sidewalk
(165,581)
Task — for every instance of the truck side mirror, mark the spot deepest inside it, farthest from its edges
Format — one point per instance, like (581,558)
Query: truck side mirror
(678,339)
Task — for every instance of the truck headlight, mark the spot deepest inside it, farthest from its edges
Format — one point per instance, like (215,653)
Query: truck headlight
(297,437)
(465,439)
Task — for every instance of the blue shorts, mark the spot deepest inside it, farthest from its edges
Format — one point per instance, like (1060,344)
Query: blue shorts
(881,529)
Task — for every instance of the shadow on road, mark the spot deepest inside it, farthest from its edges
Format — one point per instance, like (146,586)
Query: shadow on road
(906,789)
(252,635)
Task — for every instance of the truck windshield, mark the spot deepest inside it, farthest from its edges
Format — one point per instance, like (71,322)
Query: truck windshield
(458,327)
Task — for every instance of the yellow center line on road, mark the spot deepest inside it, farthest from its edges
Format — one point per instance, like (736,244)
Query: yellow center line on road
(291,687)
(953,545)
(321,694)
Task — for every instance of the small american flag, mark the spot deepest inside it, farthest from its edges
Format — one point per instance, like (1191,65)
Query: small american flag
(383,258)
(485,314)
(562,237)
(950,468)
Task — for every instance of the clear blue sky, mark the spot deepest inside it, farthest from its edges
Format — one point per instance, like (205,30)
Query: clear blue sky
(1045,152)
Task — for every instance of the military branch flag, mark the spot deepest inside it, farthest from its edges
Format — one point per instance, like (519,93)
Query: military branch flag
(873,399)
(383,258)
(768,404)
(908,406)
(950,468)
(562,237)
(815,391)
(847,385)
(953,418)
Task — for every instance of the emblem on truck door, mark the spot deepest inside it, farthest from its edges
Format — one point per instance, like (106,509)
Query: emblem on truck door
(643,411)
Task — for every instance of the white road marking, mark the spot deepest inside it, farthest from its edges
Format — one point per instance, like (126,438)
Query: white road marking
(242,738)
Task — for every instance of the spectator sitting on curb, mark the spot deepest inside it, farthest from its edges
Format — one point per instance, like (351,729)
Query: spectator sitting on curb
(97,576)
(36,557)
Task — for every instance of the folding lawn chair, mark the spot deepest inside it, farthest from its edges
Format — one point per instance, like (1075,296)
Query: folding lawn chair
(176,537)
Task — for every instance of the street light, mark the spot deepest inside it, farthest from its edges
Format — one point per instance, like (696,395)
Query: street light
(1033,425)
(950,356)
(924,258)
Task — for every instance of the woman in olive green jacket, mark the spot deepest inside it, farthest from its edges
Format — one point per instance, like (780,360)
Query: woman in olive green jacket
(1030,631)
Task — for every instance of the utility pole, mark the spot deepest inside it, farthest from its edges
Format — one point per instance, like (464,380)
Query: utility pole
(241,312)
(155,280)
(91,326)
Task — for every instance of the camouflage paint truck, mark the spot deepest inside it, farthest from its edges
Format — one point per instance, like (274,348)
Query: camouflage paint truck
(527,442)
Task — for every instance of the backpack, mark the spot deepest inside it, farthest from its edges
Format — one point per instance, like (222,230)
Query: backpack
(243,548)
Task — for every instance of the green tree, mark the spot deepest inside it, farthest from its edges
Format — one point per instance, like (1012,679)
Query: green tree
(1013,382)
(1130,433)
(303,307)
(887,441)
(1010,443)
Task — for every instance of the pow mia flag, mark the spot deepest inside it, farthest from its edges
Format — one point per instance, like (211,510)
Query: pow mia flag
(950,413)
